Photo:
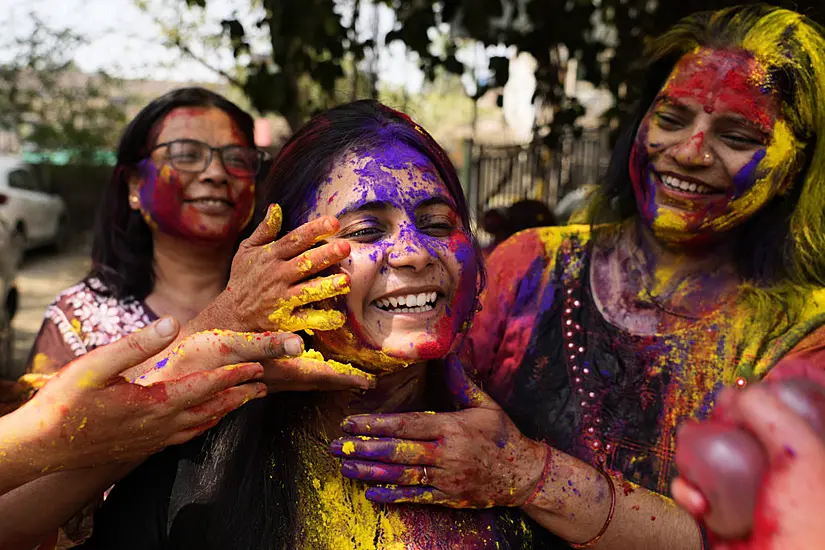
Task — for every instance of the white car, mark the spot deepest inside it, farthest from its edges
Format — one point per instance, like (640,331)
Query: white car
(9,300)
(34,216)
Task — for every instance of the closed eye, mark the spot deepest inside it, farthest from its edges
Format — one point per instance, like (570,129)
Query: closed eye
(364,234)
(668,121)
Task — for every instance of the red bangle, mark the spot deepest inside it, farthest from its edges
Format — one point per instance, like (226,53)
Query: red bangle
(595,539)
(548,461)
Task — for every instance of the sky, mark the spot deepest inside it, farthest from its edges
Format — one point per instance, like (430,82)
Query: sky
(127,42)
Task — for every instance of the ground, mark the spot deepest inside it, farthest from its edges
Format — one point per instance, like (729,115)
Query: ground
(43,275)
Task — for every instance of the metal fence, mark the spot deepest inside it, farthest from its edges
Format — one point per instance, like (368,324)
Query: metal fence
(504,175)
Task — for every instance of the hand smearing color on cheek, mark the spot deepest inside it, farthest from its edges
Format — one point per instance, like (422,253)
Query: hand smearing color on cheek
(713,149)
(412,267)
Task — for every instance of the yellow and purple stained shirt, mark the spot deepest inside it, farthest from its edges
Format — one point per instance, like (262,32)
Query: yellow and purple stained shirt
(541,347)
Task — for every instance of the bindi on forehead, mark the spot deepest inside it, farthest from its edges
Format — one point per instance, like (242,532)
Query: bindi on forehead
(723,81)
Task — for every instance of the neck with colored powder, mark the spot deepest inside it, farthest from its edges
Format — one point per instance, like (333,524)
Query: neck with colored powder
(400,391)
(647,288)
(680,274)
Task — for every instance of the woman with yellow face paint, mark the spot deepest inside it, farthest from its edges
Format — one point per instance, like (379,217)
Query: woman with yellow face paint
(703,268)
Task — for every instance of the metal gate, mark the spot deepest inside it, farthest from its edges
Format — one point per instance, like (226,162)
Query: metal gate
(502,175)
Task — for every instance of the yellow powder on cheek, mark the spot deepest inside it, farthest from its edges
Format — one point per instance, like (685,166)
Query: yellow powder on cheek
(779,158)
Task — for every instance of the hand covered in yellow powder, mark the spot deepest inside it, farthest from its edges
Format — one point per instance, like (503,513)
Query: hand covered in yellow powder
(271,282)
(286,366)
(88,414)
(473,458)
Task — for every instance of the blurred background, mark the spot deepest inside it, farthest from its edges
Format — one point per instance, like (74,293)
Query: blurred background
(525,95)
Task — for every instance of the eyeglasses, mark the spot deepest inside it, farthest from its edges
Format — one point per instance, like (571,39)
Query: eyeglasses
(190,155)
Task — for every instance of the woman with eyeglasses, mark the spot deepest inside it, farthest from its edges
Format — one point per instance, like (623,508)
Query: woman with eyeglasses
(173,240)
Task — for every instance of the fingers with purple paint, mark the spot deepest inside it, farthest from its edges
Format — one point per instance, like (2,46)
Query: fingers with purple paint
(473,458)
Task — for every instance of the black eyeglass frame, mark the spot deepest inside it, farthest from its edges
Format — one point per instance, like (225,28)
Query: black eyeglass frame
(262,156)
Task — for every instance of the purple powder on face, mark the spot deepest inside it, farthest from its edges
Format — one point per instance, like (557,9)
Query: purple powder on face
(745,179)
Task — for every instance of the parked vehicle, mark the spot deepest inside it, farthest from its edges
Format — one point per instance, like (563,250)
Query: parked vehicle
(35,216)
(9,299)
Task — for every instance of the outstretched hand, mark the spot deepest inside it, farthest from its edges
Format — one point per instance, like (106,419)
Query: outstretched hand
(472,458)
(286,367)
(272,281)
(88,414)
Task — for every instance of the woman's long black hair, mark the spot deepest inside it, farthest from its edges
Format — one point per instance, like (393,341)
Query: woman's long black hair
(251,469)
(122,251)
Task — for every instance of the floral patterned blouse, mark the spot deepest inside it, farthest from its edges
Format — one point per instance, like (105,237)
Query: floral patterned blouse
(82,318)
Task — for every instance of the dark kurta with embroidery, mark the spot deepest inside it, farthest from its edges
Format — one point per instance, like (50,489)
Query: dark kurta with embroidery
(543,350)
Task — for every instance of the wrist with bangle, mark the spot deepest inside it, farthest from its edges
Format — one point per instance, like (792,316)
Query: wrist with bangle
(603,530)
(548,461)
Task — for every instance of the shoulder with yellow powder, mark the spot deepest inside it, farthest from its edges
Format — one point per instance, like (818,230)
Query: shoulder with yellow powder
(521,250)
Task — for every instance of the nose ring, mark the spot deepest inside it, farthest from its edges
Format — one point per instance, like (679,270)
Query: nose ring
(706,157)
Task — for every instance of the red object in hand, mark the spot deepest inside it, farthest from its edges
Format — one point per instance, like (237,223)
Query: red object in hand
(727,464)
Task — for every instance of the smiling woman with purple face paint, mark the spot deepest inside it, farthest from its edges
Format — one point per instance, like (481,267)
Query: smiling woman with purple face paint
(267,479)
(704,268)
(170,242)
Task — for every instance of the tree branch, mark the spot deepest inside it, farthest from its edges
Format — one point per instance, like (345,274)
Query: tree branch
(232,80)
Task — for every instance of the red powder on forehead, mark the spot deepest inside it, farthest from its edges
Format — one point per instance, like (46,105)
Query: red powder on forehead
(191,113)
(723,81)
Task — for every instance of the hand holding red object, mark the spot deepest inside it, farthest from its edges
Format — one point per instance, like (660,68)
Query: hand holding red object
(755,473)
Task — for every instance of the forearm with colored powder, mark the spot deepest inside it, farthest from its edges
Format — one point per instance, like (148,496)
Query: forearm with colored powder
(574,503)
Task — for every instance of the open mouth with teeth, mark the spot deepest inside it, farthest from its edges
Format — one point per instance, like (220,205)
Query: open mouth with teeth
(676,184)
(210,202)
(411,303)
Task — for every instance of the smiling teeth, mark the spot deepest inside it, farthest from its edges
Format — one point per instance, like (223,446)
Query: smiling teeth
(220,202)
(411,303)
(680,185)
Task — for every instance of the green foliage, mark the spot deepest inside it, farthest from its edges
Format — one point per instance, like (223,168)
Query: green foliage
(49,104)
(310,45)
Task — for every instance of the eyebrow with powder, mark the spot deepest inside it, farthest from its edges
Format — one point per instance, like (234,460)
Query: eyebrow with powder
(363,206)
(438,199)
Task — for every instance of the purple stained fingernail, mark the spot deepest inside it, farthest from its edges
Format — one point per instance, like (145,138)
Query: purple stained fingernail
(337,448)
